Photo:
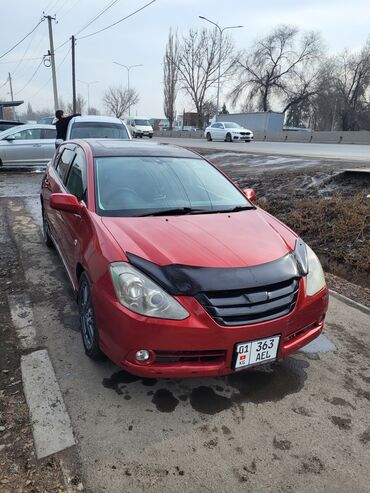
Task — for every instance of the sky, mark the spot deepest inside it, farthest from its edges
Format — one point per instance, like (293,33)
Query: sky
(141,40)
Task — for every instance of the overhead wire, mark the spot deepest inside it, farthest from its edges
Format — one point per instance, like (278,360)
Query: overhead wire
(68,11)
(99,14)
(25,37)
(117,22)
(49,80)
(31,78)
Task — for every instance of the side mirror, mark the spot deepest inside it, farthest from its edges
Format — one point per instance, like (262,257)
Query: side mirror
(10,138)
(249,193)
(65,202)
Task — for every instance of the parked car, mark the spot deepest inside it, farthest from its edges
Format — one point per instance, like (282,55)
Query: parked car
(47,120)
(177,273)
(97,127)
(28,145)
(228,131)
(5,124)
(140,127)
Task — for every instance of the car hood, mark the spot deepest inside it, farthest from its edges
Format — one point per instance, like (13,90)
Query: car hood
(237,239)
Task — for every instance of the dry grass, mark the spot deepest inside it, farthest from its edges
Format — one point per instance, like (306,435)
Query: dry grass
(338,228)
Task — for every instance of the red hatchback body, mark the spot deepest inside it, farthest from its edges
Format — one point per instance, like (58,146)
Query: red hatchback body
(169,286)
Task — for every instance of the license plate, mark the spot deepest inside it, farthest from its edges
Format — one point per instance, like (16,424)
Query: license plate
(256,352)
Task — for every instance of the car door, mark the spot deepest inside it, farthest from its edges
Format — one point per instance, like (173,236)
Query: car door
(25,149)
(74,226)
(217,131)
(48,136)
(212,130)
(55,183)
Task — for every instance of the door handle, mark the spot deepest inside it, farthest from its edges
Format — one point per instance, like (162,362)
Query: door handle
(36,145)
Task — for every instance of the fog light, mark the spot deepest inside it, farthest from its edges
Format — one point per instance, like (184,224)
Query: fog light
(142,355)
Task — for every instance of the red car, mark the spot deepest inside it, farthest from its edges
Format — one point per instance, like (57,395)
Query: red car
(176,272)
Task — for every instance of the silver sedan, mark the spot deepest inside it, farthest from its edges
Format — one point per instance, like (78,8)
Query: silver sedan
(29,145)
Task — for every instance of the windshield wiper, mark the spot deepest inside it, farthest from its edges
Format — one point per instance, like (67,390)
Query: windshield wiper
(172,212)
(239,208)
(189,210)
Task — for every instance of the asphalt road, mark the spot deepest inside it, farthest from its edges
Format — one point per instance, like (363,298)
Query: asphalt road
(297,426)
(348,152)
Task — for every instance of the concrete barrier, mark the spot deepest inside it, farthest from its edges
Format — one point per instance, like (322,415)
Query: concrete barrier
(360,137)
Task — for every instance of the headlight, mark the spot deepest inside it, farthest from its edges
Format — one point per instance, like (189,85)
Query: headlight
(315,279)
(140,294)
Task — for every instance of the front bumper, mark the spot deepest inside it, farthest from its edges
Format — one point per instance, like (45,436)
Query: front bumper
(197,346)
(247,138)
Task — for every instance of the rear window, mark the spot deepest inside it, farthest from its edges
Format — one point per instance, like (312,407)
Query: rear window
(98,130)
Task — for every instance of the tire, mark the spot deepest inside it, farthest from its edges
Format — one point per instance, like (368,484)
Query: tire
(208,137)
(89,330)
(45,231)
(150,136)
(228,138)
(141,136)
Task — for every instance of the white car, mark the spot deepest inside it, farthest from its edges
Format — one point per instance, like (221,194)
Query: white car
(228,131)
(97,127)
(27,145)
(140,127)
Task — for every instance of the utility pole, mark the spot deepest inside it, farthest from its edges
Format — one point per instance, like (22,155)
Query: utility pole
(52,59)
(221,30)
(11,86)
(74,75)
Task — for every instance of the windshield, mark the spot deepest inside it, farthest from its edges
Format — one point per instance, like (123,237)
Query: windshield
(138,186)
(98,130)
(144,123)
(232,125)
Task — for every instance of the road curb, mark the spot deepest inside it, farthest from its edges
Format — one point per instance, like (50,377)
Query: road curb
(350,302)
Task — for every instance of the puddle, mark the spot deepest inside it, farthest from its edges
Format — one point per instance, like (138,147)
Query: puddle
(265,384)
(320,345)
(117,380)
(165,401)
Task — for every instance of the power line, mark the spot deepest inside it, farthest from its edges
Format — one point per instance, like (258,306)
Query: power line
(31,78)
(120,20)
(68,11)
(19,42)
(15,61)
(49,80)
(112,4)
(99,14)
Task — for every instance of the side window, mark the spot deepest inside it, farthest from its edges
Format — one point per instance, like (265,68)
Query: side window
(76,180)
(28,134)
(64,162)
(49,133)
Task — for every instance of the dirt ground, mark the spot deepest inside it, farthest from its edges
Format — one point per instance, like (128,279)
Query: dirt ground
(20,471)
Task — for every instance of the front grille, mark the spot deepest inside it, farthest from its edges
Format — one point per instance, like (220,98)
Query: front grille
(208,356)
(249,306)
(245,133)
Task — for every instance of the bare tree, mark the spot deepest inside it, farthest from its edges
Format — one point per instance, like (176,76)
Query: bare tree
(266,70)
(198,61)
(117,100)
(352,83)
(80,105)
(170,77)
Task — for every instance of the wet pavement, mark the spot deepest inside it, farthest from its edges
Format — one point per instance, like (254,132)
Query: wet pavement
(301,425)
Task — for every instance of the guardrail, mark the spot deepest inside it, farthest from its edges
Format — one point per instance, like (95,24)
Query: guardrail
(359,137)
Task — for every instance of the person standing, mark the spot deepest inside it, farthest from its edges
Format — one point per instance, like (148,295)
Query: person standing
(61,122)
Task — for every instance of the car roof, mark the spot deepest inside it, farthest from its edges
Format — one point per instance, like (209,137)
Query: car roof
(118,147)
(30,126)
(97,118)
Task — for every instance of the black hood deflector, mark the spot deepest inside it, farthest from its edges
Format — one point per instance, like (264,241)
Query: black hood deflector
(188,280)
